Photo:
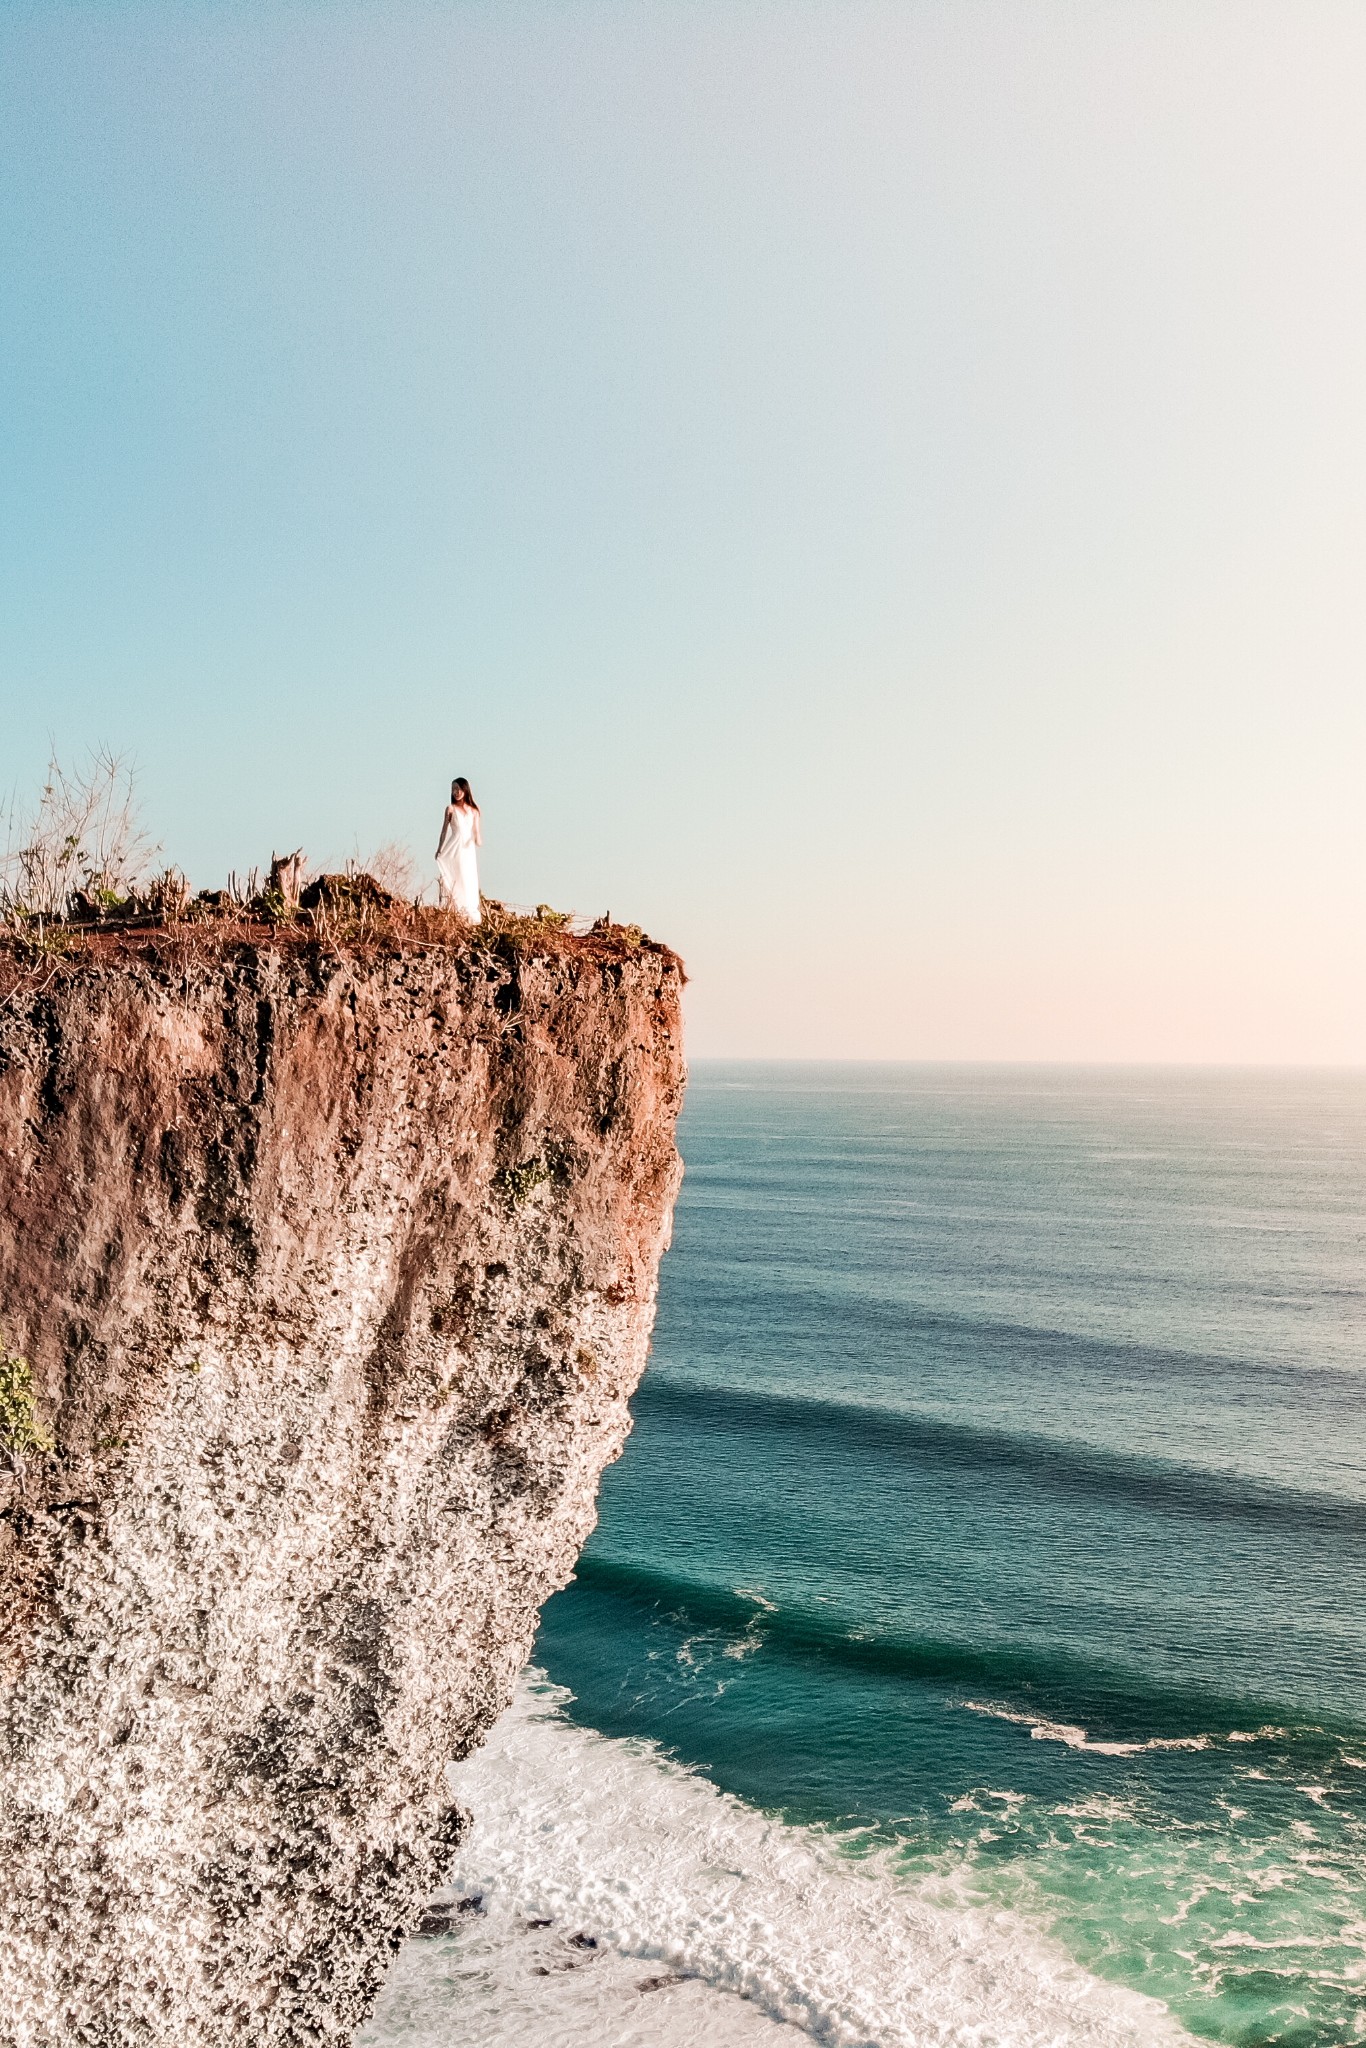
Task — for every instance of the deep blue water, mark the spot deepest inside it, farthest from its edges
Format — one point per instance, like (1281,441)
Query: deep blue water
(998,1489)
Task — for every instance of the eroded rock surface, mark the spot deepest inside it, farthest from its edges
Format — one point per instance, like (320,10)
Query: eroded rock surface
(335,1275)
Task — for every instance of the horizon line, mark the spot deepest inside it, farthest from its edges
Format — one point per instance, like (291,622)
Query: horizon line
(1048,1065)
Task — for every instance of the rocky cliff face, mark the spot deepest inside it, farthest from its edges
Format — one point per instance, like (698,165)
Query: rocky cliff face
(335,1272)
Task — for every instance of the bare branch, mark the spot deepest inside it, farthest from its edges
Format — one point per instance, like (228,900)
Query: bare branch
(392,867)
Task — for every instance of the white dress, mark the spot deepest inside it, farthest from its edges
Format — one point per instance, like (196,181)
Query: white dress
(457,862)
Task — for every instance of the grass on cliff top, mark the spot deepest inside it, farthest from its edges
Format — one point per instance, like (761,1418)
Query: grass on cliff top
(338,915)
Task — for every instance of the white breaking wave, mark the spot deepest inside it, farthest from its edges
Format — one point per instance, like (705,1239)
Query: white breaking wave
(1072,1737)
(612,1899)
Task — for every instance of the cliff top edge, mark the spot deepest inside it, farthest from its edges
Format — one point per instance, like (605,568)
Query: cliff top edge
(341,924)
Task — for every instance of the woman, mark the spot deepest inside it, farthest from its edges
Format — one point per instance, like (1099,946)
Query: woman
(456,861)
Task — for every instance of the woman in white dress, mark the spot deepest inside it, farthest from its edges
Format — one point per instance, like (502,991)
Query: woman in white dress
(456,861)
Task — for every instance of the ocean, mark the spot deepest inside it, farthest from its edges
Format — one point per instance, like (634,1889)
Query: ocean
(972,1648)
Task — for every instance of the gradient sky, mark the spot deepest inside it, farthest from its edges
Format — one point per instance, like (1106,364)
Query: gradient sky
(875,492)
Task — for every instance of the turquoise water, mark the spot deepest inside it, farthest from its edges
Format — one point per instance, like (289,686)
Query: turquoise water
(997,1502)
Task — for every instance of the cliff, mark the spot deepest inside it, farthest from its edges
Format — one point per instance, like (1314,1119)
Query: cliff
(335,1267)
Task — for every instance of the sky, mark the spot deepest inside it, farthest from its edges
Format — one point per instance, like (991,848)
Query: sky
(875,493)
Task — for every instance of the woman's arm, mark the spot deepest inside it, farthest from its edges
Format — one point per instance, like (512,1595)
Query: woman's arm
(478,835)
(445,831)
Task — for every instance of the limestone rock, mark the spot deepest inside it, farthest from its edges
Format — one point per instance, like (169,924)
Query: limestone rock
(335,1273)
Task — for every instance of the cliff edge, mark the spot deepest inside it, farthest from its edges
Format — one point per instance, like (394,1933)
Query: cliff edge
(334,1268)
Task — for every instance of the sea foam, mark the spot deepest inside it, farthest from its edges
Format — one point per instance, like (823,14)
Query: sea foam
(1072,1737)
(612,1896)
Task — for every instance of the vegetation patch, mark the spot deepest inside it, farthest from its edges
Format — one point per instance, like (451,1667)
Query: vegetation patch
(20,1429)
(517,1184)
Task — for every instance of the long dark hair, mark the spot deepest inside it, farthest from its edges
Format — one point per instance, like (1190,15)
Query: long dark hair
(461,793)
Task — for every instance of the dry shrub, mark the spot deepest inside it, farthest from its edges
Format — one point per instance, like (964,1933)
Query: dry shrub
(393,867)
(83,838)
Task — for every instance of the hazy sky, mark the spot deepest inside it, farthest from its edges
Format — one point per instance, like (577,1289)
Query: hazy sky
(875,492)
